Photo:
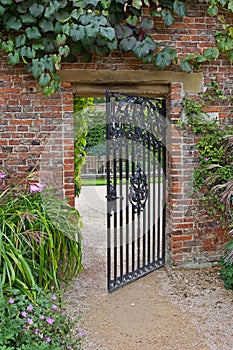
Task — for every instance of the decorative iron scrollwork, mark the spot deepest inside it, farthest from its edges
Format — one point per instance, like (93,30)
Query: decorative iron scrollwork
(138,190)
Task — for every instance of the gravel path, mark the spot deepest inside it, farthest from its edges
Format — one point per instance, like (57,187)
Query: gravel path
(166,310)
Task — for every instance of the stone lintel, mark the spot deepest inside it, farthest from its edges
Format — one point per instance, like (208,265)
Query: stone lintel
(147,82)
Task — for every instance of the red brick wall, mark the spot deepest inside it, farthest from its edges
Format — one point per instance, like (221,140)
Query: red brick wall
(35,128)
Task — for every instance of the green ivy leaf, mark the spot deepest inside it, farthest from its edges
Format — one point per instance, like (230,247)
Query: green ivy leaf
(92,2)
(6,2)
(36,10)
(230,6)
(107,33)
(180,8)
(13,23)
(64,50)
(132,21)
(33,33)
(20,40)
(77,33)
(2,10)
(212,10)
(105,4)
(38,46)
(230,56)
(128,44)
(92,29)
(137,4)
(46,26)
(123,31)
(36,68)
(165,57)
(61,39)
(147,24)
(14,58)
(143,48)
(185,66)
(167,17)
(66,29)
(44,79)
(8,46)
(76,13)
(50,10)
(211,53)
(28,19)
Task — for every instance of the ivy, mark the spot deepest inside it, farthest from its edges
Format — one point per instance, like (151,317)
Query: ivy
(43,34)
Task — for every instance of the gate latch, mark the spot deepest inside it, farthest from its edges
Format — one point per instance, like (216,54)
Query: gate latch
(112,196)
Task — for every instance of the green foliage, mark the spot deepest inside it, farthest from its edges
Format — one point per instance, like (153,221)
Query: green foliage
(41,325)
(40,241)
(214,176)
(44,34)
(82,108)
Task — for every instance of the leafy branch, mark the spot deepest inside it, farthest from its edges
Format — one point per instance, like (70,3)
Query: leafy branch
(43,34)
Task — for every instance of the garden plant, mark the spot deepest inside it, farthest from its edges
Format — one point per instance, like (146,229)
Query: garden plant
(40,251)
(214,174)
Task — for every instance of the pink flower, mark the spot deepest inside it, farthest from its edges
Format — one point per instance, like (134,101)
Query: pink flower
(26,327)
(54,307)
(41,335)
(29,307)
(36,331)
(80,333)
(48,340)
(50,320)
(36,187)
(53,297)
(30,321)
(11,301)
(2,176)
(23,313)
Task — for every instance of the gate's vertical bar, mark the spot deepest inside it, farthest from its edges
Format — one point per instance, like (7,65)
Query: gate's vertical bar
(133,214)
(127,207)
(121,213)
(108,126)
(159,203)
(154,199)
(115,215)
(164,156)
(144,211)
(149,209)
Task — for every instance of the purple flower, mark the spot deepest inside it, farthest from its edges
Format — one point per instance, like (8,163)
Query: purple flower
(30,321)
(48,340)
(80,333)
(53,297)
(29,307)
(50,320)
(54,307)
(11,301)
(68,347)
(36,331)
(41,335)
(23,313)
(35,187)
(26,327)
(206,159)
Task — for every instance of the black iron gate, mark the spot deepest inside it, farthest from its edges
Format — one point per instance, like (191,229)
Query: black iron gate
(136,161)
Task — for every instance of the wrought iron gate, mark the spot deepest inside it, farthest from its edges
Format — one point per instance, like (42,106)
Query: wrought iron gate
(136,161)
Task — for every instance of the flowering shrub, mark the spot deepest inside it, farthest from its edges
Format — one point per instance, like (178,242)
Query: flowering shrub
(42,325)
(40,240)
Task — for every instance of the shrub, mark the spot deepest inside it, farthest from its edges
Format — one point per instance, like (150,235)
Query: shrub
(42,325)
(40,240)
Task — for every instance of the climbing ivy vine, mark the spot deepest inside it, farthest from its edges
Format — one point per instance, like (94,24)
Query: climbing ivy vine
(42,34)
